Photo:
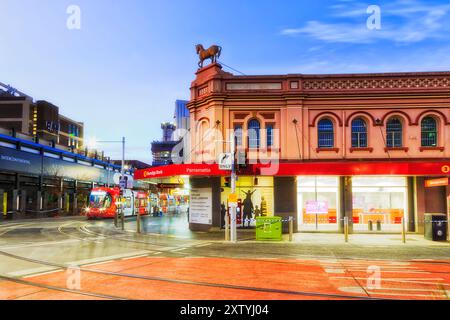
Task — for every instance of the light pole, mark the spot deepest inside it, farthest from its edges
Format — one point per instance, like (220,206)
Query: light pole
(122,174)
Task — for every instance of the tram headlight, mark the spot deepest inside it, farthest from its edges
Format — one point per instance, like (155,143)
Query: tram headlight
(87,210)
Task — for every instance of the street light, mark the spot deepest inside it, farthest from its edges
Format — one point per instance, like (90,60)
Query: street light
(93,142)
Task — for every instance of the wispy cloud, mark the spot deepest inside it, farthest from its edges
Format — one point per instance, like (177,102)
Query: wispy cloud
(403,21)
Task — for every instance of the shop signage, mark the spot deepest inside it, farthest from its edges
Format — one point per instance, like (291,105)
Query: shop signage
(170,186)
(316,207)
(339,168)
(437,182)
(200,209)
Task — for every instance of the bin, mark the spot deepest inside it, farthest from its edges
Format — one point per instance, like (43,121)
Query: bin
(269,228)
(436,227)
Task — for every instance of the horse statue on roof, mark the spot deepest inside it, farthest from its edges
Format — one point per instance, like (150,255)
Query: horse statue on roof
(212,53)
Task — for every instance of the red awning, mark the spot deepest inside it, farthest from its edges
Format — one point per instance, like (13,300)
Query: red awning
(338,168)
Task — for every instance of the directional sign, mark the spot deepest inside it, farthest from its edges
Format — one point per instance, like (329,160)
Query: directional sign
(226,161)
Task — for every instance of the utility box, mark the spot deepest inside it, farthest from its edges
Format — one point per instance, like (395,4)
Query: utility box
(436,227)
(269,228)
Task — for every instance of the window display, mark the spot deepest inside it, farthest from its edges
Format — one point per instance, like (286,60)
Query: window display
(255,198)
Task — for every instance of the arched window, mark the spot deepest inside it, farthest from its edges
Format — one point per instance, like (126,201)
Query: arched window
(359,133)
(429,132)
(269,129)
(253,134)
(394,133)
(326,133)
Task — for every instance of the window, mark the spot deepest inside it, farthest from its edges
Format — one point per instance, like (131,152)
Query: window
(394,133)
(253,134)
(269,129)
(238,135)
(429,132)
(326,133)
(359,133)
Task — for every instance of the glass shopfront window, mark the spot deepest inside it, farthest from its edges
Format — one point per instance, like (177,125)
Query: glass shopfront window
(379,203)
(318,203)
(255,199)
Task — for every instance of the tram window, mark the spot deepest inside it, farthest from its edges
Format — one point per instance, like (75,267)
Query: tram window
(128,202)
(108,201)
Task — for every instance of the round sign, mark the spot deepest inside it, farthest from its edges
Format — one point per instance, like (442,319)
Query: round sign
(446,169)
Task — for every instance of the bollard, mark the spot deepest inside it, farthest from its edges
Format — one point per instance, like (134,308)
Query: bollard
(291,229)
(370,225)
(122,218)
(5,204)
(346,229)
(403,230)
(227,227)
(378,225)
(138,223)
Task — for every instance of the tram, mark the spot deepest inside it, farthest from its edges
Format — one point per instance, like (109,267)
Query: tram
(104,203)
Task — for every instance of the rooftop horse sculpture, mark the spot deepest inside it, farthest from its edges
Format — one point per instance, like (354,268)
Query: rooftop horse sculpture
(212,53)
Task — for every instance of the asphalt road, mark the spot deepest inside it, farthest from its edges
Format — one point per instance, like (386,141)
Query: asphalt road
(78,259)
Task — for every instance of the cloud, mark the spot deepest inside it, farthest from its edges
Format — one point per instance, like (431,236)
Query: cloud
(403,21)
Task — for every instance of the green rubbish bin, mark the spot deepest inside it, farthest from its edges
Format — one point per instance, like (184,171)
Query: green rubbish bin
(269,228)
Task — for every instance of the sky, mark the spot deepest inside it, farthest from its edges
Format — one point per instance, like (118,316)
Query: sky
(122,70)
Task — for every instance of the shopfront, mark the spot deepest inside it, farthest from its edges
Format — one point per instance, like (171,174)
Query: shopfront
(255,198)
(318,203)
(379,203)
(374,196)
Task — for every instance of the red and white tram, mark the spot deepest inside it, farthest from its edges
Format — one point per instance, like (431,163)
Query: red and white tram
(104,203)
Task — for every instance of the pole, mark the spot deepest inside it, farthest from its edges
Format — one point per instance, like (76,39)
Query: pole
(346,228)
(138,222)
(5,204)
(227,226)
(233,189)
(403,230)
(122,177)
(291,229)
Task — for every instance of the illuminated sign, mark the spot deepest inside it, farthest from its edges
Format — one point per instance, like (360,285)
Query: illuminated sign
(437,183)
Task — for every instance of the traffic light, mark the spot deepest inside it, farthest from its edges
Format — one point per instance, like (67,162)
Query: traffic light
(228,182)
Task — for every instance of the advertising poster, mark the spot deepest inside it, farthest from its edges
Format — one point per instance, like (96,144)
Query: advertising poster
(316,207)
(200,210)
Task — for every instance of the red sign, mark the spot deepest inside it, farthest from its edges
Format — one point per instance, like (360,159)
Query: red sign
(179,170)
(437,183)
(336,168)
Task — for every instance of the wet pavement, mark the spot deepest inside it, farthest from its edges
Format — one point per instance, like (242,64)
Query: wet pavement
(41,259)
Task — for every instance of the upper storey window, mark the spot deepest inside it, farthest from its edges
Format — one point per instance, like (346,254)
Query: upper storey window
(326,133)
(238,135)
(269,129)
(394,133)
(359,133)
(429,132)
(254,128)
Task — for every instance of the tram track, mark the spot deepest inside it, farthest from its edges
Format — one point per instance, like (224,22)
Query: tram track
(54,288)
(169,280)
(83,230)
(332,255)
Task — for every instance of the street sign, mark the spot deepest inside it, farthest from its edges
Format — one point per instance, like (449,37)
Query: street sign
(226,161)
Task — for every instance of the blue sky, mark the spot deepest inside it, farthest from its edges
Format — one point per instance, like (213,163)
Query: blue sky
(123,70)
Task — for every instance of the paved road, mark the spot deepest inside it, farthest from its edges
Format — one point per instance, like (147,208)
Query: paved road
(79,259)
